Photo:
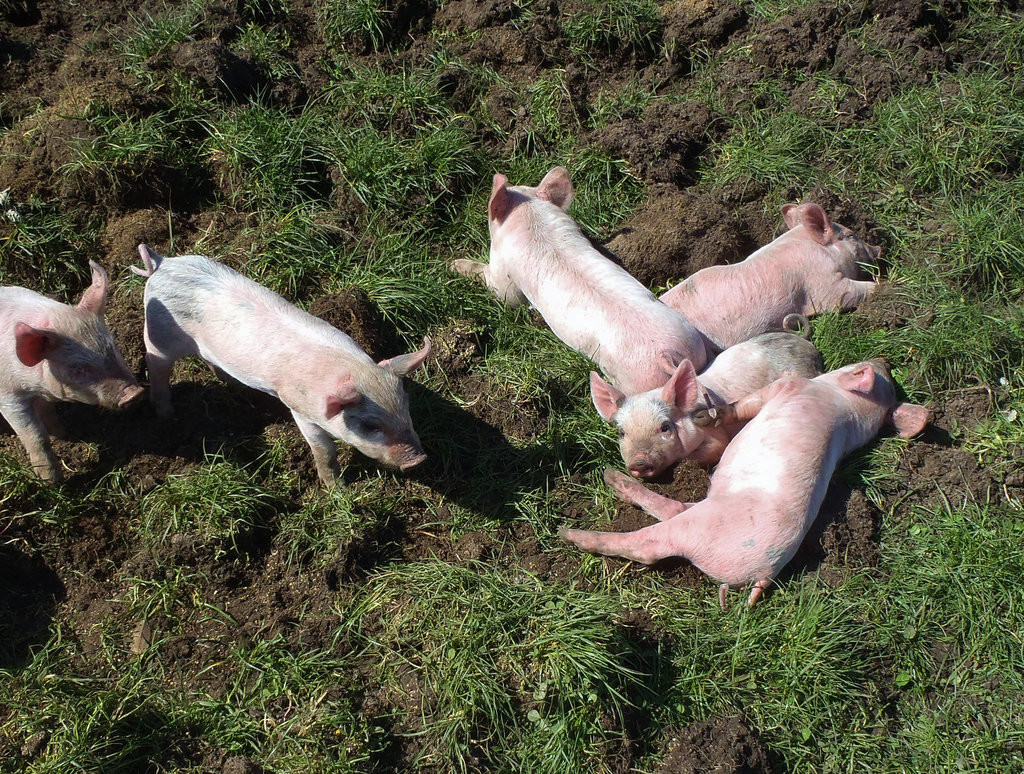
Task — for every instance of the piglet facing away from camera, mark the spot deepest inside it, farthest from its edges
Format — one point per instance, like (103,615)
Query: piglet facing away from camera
(538,254)
(810,269)
(662,426)
(771,481)
(333,388)
(56,352)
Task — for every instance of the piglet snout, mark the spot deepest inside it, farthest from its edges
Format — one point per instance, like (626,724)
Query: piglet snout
(129,396)
(412,462)
(642,467)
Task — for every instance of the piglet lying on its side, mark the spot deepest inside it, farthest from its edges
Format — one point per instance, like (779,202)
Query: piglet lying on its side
(333,388)
(771,480)
(810,269)
(539,254)
(54,352)
(660,427)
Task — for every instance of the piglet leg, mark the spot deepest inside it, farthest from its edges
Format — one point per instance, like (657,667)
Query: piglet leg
(503,287)
(647,545)
(31,430)
(325,453)
(661,508)
(47,411)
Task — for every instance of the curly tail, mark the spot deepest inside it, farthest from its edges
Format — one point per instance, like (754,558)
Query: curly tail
(798,324)
(151,259)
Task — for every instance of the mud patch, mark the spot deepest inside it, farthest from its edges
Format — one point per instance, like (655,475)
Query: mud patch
(717,745)
(679,232)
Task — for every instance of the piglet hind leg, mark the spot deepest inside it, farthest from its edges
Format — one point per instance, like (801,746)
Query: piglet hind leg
(647,545)
(325,453)
(661,508)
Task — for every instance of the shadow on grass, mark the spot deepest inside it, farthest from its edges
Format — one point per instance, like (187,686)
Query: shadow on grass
(30,592)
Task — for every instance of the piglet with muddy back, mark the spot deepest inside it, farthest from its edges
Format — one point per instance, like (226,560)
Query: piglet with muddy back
(771,480)
(663,426)
(333,388)
(538,254)
(56,352)
(810,269)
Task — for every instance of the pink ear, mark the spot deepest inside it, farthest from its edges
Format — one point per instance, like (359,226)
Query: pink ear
(403,365)
(909,419)
(861,379)
(556,187)
(501,201)
(94,299)
(812,217)
(32,345)
(607,400)
(346,395)
(682,389)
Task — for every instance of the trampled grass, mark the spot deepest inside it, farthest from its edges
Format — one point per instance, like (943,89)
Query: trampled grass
(377,180)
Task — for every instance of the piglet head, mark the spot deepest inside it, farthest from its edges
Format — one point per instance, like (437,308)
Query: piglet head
(370,410)
(76,355)
(819,228)
(656,428)
(556,188)
(875,391)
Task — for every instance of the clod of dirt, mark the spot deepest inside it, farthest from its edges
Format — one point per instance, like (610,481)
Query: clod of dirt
(719,745)
(803,40)
(353,312)
(31,157)
(123,235)
(665,144)
(218,70)
(706,22)
(455,347)
(678,232)
(241,764)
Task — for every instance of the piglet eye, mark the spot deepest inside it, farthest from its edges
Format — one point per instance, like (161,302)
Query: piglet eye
(666,427)
(701,418)
(622,433)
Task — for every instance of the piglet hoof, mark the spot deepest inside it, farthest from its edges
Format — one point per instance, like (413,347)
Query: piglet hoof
(51,473)
(617,480)
(571,536)
(757,591)
(723,592)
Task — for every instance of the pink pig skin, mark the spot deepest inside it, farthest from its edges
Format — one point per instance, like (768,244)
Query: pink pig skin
(771,480)
(55,352)
(538,254)
(333,388)
(809,269)
(660,427)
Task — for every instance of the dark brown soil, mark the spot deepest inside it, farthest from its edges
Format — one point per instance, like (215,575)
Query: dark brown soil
(57,56)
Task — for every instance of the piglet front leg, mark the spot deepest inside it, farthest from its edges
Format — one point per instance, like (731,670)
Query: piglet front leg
(661,508)
(31,431)
(325,453)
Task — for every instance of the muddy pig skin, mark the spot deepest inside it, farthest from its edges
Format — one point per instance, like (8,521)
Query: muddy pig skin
(538,254)
(333,388)
(770,482)
(660,427)
(812,268)
(56,352)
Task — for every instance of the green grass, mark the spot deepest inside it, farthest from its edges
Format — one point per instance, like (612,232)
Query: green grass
(298,627)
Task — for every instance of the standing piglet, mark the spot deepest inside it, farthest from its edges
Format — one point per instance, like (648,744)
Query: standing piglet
(538,254)
(771,480)
(660,427)
(333,388)
(53,352)
(810,269)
